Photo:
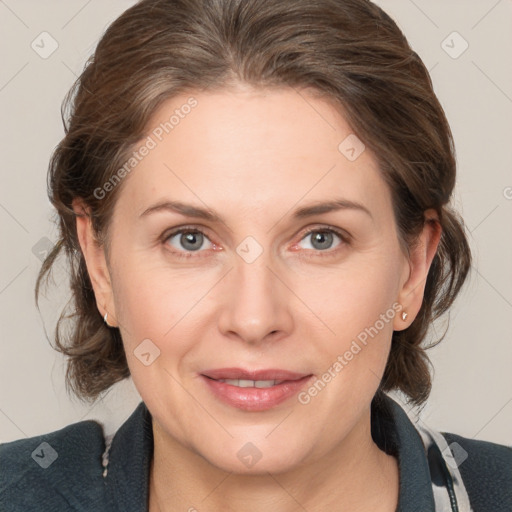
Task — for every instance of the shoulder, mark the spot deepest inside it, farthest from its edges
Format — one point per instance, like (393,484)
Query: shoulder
(60,470)
(486,470)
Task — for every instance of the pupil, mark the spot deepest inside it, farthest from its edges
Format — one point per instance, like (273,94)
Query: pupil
(323,237)
(324,240)
(190,238)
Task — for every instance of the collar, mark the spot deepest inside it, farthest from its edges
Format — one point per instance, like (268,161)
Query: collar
(129,455)
(393,432)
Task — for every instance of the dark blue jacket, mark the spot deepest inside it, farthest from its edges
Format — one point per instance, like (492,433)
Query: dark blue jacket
(68,469)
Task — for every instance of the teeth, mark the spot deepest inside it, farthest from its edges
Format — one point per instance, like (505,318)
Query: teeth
(242,383)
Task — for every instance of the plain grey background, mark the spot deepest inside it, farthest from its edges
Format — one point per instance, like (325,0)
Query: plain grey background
(466,45)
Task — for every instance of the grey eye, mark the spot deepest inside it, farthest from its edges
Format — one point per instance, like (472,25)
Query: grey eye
(321,239)
(188,239)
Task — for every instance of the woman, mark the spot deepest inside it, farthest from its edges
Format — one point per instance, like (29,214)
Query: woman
(254,199)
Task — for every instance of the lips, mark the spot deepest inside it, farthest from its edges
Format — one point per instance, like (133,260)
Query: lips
(240,374)
(254,390)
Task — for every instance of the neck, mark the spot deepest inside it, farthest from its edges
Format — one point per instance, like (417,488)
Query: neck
(355,475)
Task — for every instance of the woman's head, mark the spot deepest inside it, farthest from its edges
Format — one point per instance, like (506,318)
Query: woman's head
(255,111)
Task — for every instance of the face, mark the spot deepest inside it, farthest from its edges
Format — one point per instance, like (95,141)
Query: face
(264,282)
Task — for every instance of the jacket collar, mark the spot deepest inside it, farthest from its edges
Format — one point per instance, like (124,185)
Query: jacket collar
(130,454)
(394,433)
(131,451)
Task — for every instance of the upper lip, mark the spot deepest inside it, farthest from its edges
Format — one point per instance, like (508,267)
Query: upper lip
(266,374)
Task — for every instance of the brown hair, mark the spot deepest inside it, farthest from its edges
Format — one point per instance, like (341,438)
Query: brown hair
(349,51)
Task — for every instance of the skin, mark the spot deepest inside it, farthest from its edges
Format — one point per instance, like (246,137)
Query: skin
(254,157)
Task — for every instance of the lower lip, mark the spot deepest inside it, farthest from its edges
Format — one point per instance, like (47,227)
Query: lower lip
(255,399)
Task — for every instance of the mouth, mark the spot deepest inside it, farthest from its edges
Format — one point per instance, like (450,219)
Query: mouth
(256,390)
(244,383)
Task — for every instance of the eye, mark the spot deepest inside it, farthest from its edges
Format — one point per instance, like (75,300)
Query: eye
(322,239)
(187,240)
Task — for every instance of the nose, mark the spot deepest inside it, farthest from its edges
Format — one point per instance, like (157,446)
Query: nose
(256,305)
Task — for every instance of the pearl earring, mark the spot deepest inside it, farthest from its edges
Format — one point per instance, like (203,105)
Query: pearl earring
(404,316)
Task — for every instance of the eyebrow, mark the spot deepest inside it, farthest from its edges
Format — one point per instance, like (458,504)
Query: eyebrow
(316,208)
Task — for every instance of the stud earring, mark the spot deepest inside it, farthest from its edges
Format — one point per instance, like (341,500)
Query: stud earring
(404,316)
(105,319)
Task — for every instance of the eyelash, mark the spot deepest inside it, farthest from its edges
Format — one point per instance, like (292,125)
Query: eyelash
(345,240)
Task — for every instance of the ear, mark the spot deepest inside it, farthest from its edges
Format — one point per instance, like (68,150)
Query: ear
(95,259)
(421,256)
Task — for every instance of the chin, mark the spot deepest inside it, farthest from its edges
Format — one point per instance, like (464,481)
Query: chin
(254,457)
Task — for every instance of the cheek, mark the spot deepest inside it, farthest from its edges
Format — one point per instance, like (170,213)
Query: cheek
(353,296)
(357,303)
(149,308)
(163,304)
(150,300)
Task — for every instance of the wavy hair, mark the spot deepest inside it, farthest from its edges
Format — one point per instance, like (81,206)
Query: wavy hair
(349,51)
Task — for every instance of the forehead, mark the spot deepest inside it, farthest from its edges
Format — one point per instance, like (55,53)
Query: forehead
(247,151)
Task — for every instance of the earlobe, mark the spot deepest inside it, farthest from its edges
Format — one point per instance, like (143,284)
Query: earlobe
(420,260)
(95,261)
